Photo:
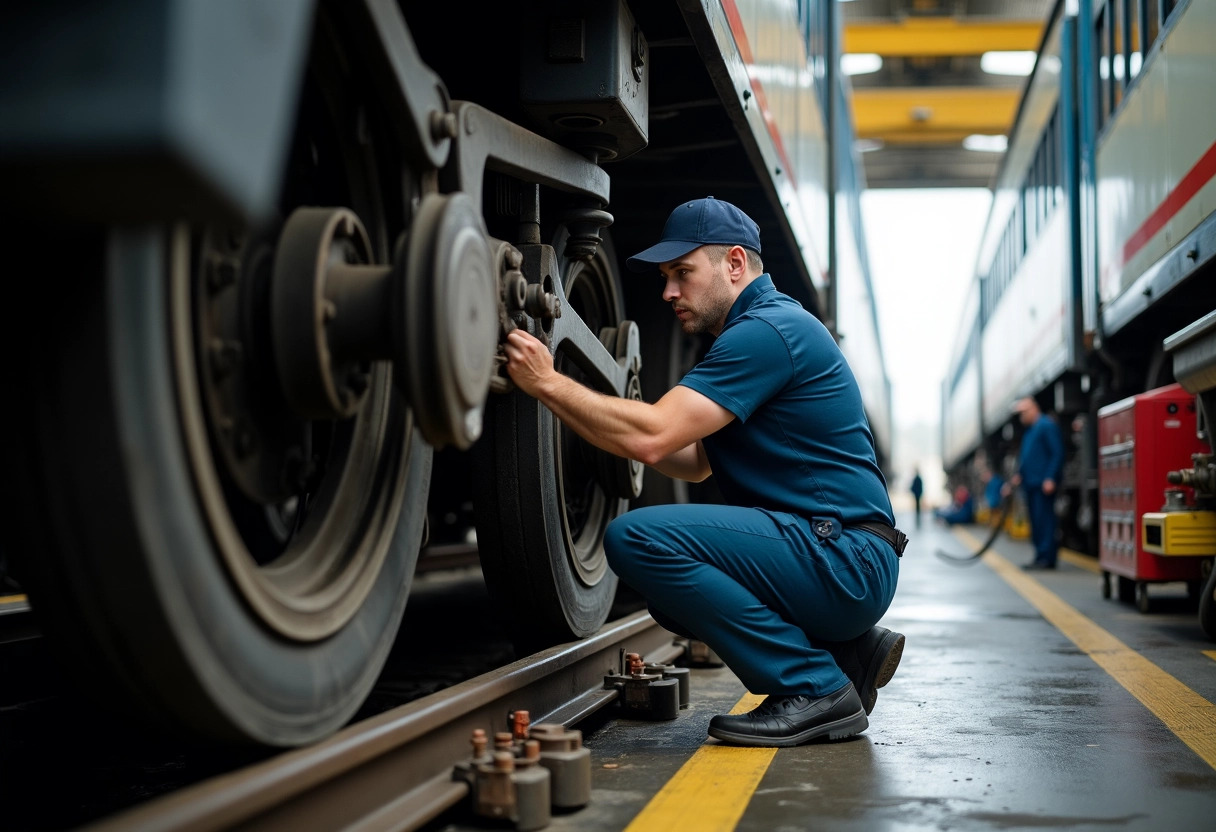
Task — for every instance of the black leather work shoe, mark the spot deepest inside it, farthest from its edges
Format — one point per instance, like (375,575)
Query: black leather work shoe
(869,661)
(792,720)
(1037,566)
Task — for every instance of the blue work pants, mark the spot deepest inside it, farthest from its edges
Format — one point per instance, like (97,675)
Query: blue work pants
(759,587)
(1042,510)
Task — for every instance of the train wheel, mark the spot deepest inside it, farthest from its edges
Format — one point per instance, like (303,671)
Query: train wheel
(541,515)
(240,569)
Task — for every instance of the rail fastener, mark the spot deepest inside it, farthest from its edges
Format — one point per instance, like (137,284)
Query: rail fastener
(654,691)
(531,770)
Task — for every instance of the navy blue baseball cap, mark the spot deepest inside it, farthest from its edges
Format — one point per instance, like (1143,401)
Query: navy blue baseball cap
(701,222)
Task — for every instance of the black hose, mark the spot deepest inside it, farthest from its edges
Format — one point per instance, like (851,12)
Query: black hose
(1003,511)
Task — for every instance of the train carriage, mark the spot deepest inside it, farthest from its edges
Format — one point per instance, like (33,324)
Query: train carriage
(273,249)
(1096,265)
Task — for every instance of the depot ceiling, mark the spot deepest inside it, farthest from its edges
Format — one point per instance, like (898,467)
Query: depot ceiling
(921,88)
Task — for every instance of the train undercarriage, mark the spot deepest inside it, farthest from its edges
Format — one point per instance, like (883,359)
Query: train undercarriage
(231,423)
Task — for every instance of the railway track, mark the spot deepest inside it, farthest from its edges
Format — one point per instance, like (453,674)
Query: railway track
(395,770)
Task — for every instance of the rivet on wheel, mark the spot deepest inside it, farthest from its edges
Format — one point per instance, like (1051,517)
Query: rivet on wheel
(224,356)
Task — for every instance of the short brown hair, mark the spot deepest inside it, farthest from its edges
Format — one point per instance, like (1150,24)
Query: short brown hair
(717,253)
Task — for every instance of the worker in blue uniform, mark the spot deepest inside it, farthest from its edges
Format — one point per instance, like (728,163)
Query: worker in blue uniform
(1040,461)
(788,580)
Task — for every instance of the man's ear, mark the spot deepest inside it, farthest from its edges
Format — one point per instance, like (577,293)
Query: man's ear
(736,262)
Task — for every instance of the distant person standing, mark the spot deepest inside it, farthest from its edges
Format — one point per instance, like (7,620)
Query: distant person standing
(917,489)
(1039,465)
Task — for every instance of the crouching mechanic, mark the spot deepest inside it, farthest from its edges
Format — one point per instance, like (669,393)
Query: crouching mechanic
(789,579)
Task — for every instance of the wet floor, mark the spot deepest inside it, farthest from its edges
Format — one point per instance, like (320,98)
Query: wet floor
(1024,700)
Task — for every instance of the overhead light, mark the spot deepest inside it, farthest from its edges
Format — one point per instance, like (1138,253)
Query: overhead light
(868,145)
(990,144)
(860,63)
(1007,63)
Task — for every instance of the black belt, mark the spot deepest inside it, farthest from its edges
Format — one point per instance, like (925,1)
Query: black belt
(892,535)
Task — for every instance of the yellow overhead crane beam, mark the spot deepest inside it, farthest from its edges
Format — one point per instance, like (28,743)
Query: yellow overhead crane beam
(942,36)
(932,114)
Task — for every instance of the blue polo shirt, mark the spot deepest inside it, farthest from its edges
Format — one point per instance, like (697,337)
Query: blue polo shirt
(800,441)
(1042,454)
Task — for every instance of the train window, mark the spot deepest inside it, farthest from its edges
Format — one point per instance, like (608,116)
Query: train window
(1045,173)
(1150,23)
(1104,74)
(1131,39)
(1051,151)
(1116,11)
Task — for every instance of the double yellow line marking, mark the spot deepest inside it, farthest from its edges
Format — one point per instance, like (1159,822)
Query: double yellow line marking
(713,788)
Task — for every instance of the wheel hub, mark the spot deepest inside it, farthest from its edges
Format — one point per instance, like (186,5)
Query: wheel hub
(446,322)
(434,314)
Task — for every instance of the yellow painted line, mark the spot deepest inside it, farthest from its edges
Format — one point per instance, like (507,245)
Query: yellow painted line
(1089,564)
(11,599)
(713,788)
(1211,654)
(1187,714)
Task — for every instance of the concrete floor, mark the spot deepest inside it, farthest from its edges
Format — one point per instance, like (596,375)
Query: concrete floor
(1013,708)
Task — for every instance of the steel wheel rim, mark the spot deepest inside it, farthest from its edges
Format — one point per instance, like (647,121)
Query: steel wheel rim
(334,533)
(591,289)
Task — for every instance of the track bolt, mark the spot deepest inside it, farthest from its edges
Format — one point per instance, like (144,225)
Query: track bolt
(520,722)
(479,742)
(643,693)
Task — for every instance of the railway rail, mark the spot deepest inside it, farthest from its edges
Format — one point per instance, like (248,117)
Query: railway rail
(396,770)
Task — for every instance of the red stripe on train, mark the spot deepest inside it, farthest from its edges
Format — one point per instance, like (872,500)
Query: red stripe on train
(745,51)
(1195,178)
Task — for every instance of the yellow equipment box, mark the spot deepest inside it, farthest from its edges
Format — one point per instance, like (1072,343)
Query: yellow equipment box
(1184,533)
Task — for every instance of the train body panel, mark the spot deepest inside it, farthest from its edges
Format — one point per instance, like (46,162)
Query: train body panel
(1025,345)
(961,389)
(854,308)
(1156,159)
(764,47)
(1025,320)
(1109,197)
(312,319)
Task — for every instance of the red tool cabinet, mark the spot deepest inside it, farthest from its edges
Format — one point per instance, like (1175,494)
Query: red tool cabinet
(1140,440)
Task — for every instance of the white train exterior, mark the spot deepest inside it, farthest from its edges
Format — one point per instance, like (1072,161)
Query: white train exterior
(1097,255)
(276,246)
